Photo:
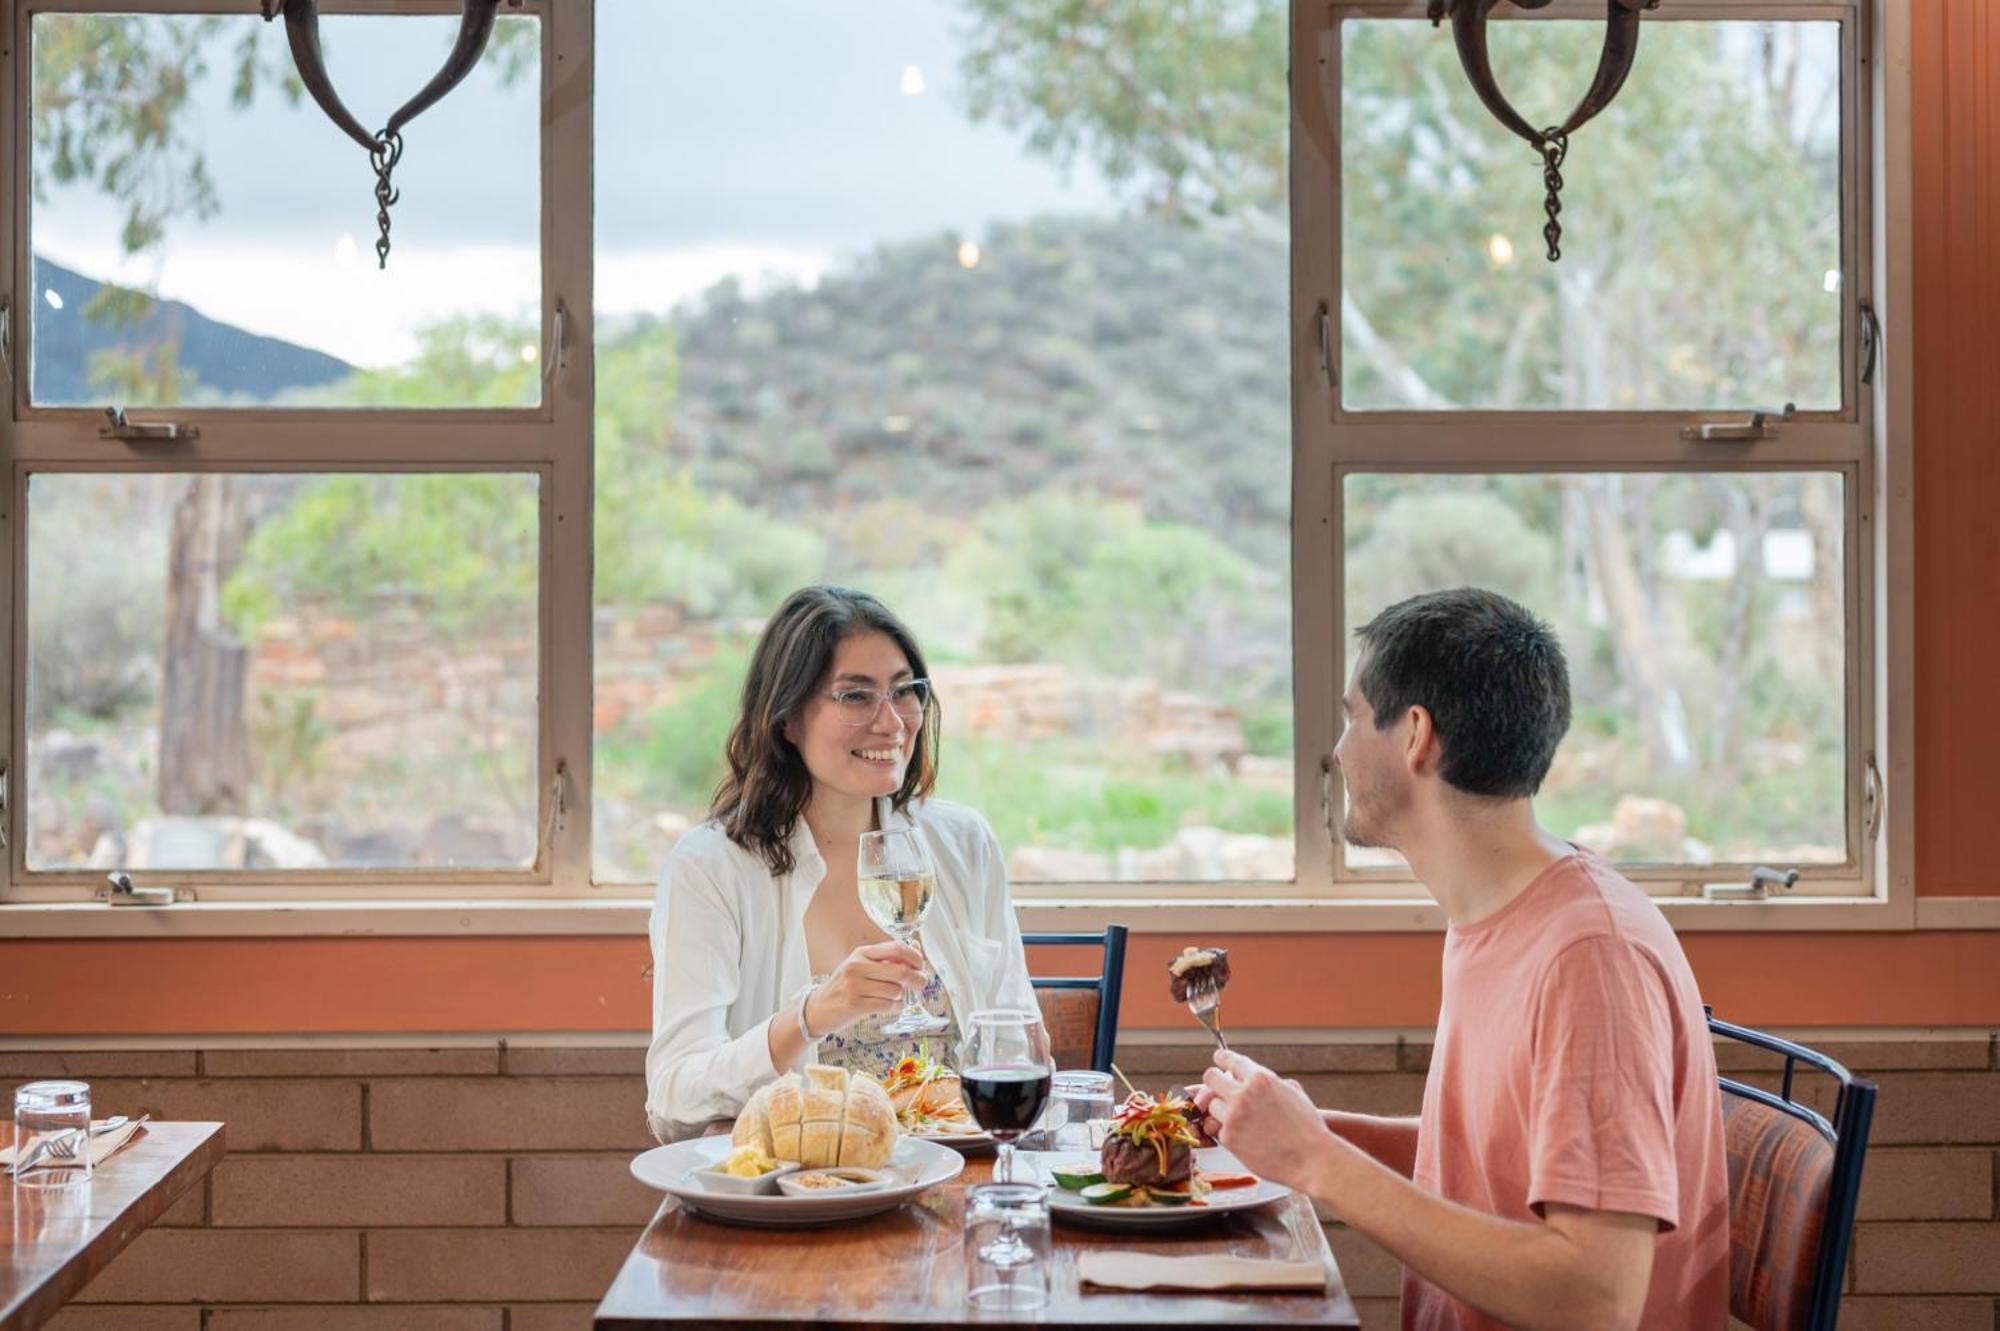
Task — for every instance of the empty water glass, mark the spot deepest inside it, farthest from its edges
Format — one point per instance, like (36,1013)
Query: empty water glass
(51,1134)
(1007,1246)
(1075,1099)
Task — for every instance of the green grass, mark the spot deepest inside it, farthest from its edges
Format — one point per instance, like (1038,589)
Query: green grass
(1081,796)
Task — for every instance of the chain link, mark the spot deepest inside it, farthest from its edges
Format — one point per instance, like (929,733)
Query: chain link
(387,152)
(1555,146)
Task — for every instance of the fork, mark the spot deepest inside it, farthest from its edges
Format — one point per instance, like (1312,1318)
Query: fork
(68,1145)
(1204,1000)
(57,1146)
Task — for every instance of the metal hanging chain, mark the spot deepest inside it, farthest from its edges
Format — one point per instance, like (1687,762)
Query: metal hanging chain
(385,148)
(383,157)
(1555,146)
(1614,64)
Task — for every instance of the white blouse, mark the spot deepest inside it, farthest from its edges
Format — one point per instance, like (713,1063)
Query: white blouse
(729,949)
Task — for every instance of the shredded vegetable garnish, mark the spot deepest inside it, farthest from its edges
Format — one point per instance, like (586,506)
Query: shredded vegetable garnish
(916,1070)
(1146,1121)
(928,1110)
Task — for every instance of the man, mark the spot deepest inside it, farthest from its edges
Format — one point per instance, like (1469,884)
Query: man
(1568,1167)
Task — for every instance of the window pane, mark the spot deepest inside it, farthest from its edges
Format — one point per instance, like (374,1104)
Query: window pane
(1705,624)
(282,671)
(1701,261)
(203,234)
(885,331)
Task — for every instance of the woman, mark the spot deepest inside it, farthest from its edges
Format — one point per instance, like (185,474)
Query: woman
(762,956)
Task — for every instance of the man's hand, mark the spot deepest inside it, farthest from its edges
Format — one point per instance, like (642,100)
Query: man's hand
(1266,1122)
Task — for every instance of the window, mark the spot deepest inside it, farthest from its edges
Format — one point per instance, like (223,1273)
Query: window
(898,329)
(299,638)
(289,671)
(1134,357)
(201,234)
(1500,419)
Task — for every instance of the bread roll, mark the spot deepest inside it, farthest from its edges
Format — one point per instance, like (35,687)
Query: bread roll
(871,1127)
(825,1118)
(819,1133)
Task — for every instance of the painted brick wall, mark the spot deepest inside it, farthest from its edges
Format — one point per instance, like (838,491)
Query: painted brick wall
(484,1187)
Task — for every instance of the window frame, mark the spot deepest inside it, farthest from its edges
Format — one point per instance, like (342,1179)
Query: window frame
(550,440)
(558,896)
(1854,441)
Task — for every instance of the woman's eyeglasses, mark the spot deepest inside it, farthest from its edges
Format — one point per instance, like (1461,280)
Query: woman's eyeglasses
(857,707)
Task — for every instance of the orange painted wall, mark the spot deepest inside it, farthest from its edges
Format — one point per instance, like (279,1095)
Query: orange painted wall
(586,984)
(598,984)
(1956,142)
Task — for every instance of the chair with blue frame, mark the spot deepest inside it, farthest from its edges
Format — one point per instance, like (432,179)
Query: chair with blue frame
(1081,1012)
(1794,1179)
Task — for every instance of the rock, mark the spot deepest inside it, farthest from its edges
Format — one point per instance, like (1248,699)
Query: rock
(57,755)
(1642,828)
(211,843)
(1053,864)
(456,839)
(267,845)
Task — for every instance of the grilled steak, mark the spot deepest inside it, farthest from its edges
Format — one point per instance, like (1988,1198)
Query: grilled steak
(1193,971)
(1126,1161)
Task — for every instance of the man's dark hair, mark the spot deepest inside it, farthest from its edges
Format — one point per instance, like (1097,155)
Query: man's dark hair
(1491,675)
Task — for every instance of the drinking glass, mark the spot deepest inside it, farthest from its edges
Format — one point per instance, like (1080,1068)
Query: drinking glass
(1076,1099)
(897,881)
(51,1134)
(1007,1246)
(1004,1070)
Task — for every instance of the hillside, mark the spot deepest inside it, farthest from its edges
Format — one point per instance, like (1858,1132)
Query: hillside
(223,361)
(1138,359)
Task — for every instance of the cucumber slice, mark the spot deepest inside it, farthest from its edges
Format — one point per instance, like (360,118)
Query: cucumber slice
(1168,1197)
(1104,1194)
(1075,1180)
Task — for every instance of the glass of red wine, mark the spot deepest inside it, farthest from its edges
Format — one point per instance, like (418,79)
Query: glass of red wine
(1004,1069)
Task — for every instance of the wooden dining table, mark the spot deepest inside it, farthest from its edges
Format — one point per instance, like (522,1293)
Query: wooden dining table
(908,1266)
(58,1239)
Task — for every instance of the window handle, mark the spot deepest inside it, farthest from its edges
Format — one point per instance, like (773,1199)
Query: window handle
(121,892)
(164,432)
(1763,880)
(1741,432)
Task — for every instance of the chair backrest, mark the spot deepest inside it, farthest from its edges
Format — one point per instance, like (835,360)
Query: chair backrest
(1794,1179)
(1081,1012)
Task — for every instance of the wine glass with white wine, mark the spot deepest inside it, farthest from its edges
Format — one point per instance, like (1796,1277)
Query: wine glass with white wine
(897,882)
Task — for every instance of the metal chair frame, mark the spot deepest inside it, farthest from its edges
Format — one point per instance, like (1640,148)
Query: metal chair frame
(1109,983)
(1853,1109)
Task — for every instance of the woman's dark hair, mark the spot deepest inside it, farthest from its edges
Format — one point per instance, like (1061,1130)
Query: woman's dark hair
(766,790)
(1491,675)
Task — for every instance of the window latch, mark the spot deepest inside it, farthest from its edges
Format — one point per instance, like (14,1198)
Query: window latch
(1741,432)
(1871,342)
(120,891)
(1763,880)
(163,432)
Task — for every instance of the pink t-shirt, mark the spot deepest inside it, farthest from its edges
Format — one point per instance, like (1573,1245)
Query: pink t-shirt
(1573,1065)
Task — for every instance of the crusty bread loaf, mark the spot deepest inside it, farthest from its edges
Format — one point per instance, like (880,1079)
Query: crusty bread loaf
(871,1126)
(825,1118)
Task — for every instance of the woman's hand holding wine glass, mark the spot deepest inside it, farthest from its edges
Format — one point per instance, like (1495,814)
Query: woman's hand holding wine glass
(896,879)
(872,978)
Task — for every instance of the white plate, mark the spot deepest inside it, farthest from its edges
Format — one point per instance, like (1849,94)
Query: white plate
(1070,1206)
(962,1141)
(913,1166)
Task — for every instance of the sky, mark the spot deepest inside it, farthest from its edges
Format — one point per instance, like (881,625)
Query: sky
(765,138)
